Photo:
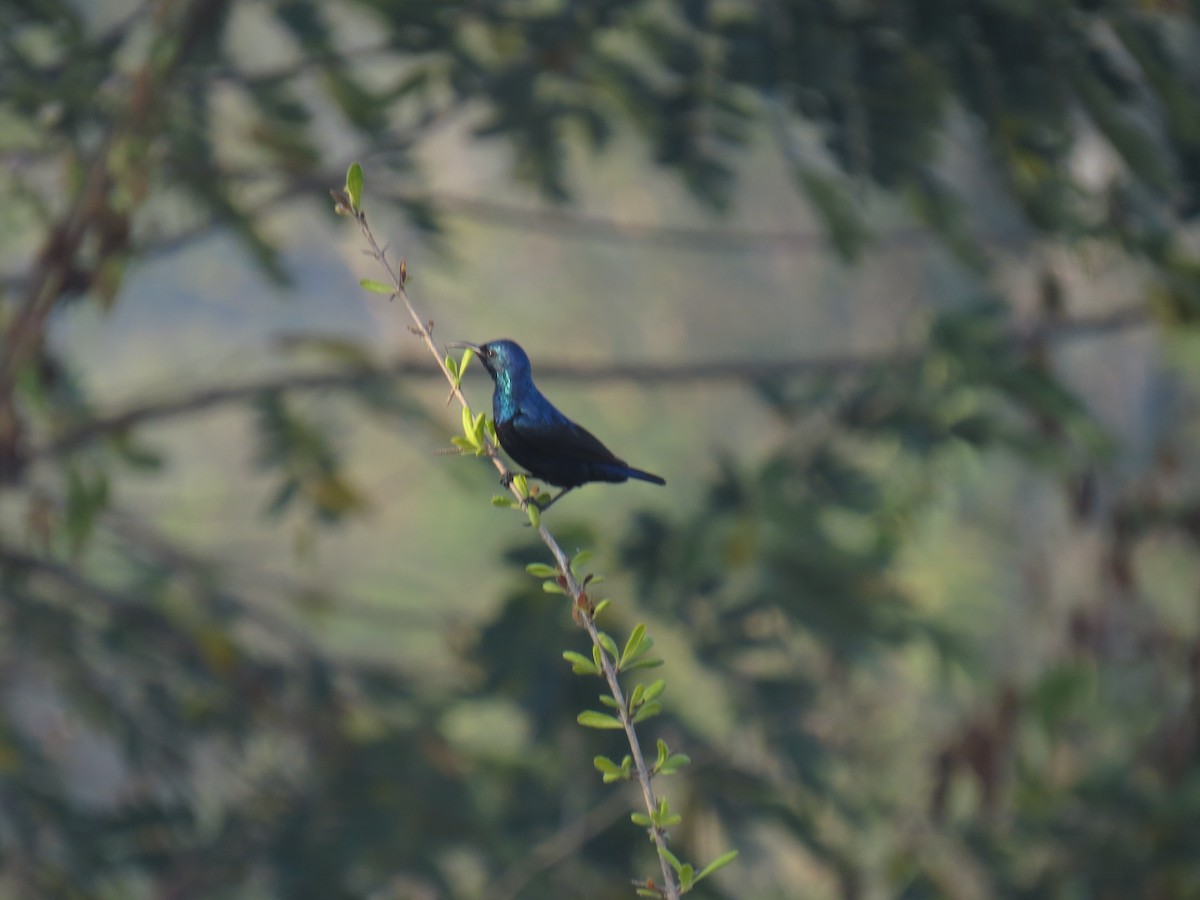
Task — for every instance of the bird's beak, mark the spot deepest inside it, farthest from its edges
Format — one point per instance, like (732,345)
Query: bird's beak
(466,345)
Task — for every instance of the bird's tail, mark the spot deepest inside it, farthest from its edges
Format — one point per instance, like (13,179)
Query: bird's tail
(644,476)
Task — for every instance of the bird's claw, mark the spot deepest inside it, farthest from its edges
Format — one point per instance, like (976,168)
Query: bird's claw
(545,506)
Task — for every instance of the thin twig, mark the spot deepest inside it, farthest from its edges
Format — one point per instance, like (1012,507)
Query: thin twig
(557,847)
(423,328)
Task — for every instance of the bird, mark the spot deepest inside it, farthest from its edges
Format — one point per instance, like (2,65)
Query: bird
(536,435)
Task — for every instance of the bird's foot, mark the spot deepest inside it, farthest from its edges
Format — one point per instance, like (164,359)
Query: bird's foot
(545,506)
(510,476)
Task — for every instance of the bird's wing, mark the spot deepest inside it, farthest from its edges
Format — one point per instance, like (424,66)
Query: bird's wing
(554,434)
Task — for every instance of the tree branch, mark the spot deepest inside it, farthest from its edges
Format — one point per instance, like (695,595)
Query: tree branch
(89,211)
(561,844)
(644,373)
(424,330)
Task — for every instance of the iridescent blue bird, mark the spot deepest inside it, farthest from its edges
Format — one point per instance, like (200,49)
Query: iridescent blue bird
(539,437)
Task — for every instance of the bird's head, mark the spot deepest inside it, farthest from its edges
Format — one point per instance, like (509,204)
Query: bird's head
(500,357)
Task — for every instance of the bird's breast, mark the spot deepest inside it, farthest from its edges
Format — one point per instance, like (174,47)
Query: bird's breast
(504,407)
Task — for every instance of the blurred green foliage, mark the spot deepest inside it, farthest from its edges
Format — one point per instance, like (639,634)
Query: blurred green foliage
(163,734)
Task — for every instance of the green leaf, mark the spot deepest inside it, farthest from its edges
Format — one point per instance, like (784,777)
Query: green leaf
(552,587)
(541,570)
(635,699)
(354,185)
(633,646)
(639,818)
(87,497)
(1061,693)
(663,753)
(333,496)
(671,858)
(580,664)
(835,204)
(579,560)
(452,367)
(284,496)
(137,456)
(608,644)
(686,877)
(502,500)
(673,764)
(591,718)
(600,607)
(610,701)
(647,711)
(535,516)
(375,287)
(651,663)
(720,862)
(343,350)
(653,690)
(611,771)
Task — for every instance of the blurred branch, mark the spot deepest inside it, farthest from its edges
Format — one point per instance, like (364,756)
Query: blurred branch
(206,398)
(567,225)
(141,538)
(66,576)
(645,373)
(90,211)
(13,560)
(144,542)
(567,840)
